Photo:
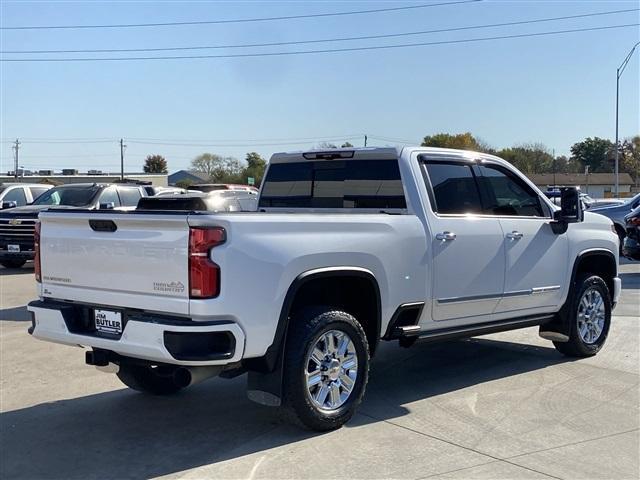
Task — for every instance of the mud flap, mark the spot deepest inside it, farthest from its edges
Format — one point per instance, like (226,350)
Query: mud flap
(264,385)
(559,329)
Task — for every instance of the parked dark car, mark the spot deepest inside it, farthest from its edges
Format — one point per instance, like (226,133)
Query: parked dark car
(17,225)
(631,246)
(617,214)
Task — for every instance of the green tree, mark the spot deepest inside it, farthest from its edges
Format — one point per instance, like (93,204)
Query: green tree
(596,153)
(567,165)
(529,158)
(630,157)
(207,163)
(230,170)
(155,164)
(461,141)
(255,168)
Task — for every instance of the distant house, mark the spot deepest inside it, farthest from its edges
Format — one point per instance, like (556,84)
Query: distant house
(596,185)
(188,175)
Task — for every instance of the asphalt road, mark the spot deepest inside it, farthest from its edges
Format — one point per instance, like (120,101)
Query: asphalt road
(500,406)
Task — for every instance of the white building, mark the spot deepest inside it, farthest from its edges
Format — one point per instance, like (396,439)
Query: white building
(596,185)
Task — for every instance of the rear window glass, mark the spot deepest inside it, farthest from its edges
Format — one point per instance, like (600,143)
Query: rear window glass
(334,184)
(129,196)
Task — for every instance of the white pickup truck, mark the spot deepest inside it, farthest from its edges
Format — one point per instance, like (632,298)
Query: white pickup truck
(348,247)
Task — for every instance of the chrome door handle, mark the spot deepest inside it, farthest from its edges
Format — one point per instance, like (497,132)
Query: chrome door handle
(515,235)
(446,236)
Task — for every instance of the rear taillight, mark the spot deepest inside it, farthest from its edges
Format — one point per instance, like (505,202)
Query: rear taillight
(204,275)
(36,249)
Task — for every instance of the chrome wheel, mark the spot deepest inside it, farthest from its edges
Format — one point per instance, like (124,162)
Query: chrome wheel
(591,316)
(332,369)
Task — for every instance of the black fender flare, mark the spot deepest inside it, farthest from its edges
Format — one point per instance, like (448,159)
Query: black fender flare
(562,322)
(265,373)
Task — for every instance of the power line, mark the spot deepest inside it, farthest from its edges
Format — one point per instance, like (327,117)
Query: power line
(201,142)
(329,50)
(86,155)
(54,141)
(238,20)
(393,140)
(324,40)
(208,141)
(221,145)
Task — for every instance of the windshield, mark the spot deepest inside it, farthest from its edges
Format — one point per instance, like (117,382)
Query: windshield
(69,196)
(633,199)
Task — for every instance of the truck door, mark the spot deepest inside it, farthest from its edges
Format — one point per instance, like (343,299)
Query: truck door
(467,248)
(536,258)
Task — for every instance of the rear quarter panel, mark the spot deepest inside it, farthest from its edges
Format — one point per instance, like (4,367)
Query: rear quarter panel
(266,252)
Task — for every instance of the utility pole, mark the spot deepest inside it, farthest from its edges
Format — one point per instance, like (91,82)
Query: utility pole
(554,168)
(16,147)
(122,145)
(365,140)
(619,73)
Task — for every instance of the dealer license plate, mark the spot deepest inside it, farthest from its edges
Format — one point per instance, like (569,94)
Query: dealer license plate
(108,321)
(13,248)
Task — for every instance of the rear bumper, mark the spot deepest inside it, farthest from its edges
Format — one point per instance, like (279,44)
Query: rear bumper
(28,255)
(145,340)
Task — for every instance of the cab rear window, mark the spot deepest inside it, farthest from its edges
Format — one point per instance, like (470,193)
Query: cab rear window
(334,184)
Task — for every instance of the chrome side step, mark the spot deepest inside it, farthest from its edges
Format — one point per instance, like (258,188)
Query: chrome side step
(415,332)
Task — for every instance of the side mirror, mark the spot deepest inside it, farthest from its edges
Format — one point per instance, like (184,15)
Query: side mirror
(10,204)
(571,209)
(107,206)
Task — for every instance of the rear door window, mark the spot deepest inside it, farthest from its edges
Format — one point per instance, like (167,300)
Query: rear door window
(454,187)
(110,196)
(37,191)
(129,196)
(355,184)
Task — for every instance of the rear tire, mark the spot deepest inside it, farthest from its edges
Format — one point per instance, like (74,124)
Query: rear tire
(147,379)
(11,263)
(590,316)
(326,368)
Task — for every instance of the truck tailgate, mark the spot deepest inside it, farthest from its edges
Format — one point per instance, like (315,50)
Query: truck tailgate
(122,259)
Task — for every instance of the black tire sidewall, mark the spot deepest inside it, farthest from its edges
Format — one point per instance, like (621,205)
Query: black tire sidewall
(308,326)
(12,263)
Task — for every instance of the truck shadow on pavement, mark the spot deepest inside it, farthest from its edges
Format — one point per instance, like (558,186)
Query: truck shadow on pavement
(124,434)
(16,271)
(630,281)
(14,314)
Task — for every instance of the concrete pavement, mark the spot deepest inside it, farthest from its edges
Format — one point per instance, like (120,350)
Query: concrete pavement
(500,406)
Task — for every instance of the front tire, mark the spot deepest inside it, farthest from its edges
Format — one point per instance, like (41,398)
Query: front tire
(590,316)
(12,263)
(147,379)
(326,368)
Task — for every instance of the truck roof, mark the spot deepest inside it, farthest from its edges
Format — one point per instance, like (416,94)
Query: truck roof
(369,153)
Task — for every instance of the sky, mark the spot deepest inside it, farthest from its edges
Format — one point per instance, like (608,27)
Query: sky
(555,90)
